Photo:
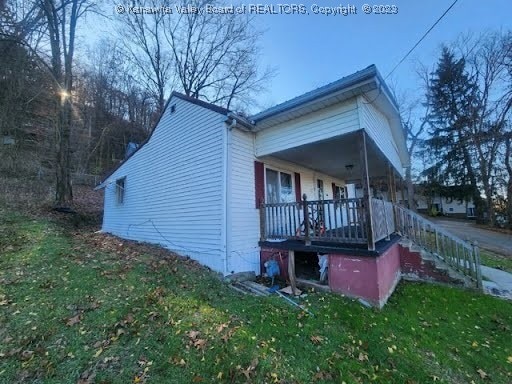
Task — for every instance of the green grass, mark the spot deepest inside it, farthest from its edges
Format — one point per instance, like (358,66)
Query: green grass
(84,308)
(494,260)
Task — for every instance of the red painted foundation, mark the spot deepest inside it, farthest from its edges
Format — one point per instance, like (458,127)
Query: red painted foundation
(367,277)
(372,278)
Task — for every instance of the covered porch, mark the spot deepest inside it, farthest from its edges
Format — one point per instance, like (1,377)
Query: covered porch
(340,221)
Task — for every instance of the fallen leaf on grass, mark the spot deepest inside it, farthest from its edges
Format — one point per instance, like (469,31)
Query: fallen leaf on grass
(250,369)
(98,352)
(221,327)
(321,375)
(74,320)
(200,343)
(87,377)
(482,374)
(316,339)
(177,361)
(362,357)
(509,359)
(193,334)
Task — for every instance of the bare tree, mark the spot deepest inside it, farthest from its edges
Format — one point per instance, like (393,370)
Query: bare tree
(486,57)
(146,48)
(414,115)
(208,56)
(60,19)
(215,56)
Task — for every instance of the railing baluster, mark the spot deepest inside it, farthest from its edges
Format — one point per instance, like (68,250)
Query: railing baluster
(329,230)
(348,224)
(336,234)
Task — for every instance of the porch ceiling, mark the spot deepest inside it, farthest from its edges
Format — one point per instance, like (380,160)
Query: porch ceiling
(332,156)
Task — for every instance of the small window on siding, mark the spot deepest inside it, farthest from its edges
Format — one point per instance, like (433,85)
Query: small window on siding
(120,187)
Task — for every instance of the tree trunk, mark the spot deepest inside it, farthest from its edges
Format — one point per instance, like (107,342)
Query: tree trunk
(410,190)
(63,191)
(509,201)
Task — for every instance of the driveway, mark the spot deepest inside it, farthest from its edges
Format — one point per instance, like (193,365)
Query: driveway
(493,241)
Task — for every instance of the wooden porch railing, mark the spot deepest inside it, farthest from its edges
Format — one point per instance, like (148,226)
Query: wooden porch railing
(457,253)
(383,219)
(340,220)
(344,221)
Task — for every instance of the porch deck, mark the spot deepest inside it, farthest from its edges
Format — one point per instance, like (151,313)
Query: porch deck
(327,247)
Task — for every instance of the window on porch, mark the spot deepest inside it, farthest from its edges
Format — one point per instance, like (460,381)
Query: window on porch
(279,187)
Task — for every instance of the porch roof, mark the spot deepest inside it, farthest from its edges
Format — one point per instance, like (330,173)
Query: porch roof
(338,157)
(367,82)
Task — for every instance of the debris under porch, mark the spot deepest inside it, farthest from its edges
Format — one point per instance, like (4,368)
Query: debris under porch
(350,269)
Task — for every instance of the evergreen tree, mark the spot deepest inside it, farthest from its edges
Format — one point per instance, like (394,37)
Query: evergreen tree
(453,97)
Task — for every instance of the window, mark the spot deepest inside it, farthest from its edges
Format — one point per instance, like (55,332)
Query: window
(320,188)
(340,192)
(279,187)
(120,183)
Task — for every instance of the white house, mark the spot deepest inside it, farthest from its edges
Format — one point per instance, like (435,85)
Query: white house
(197,185)
(445,205)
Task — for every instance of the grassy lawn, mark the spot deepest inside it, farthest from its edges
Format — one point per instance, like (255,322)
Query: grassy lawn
(494,260)
(79,307)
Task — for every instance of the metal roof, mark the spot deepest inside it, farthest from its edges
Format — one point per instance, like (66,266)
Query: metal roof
(340,85)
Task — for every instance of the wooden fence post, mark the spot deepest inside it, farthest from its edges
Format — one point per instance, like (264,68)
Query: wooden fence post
(291,271)
(476,260)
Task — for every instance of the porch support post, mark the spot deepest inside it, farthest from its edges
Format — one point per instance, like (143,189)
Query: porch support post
(263,226)
(367,201)
(391,183)
(393,177)
(402,193)
(291,271)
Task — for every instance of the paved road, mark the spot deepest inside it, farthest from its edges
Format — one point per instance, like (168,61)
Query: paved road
(493,241)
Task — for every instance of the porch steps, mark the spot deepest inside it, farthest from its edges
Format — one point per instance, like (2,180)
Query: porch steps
(431,248)
(418,264)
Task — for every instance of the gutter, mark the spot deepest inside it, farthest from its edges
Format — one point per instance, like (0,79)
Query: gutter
(236,121)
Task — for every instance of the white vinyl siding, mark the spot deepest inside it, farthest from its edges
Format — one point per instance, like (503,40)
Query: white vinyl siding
(329,122)
(174,187)
(243,216)
(378,128)
(244,221)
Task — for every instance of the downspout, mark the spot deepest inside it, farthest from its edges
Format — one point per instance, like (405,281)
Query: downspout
(227,194)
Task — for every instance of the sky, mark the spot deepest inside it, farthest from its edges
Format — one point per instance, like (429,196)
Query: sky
(311,50)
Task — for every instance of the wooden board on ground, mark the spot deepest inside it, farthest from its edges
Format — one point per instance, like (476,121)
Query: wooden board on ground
(289,291)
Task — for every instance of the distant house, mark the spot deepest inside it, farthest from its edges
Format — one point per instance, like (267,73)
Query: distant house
(448,203)
(229,191)
(446,206)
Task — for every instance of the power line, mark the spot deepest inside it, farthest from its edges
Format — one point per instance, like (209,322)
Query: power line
(422,38)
